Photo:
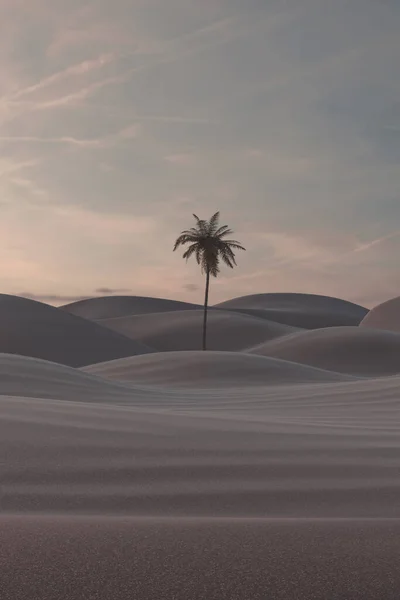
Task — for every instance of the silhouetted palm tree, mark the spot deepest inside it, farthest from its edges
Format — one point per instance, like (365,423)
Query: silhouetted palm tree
(208,244)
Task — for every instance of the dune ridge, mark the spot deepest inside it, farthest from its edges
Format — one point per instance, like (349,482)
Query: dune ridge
(182,330)
(351,350)
(110,307)
(197,369)
(306,311)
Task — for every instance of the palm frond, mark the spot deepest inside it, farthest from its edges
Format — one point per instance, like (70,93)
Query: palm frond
(213,224)
(199,254)
(234,244)
(227,255)
(191,250)
(192,231)
(222,231)
(202,225)
(184,238)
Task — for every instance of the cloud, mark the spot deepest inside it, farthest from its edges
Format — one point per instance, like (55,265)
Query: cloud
(183,120)
(292,248)
(75,97)
(185,159)
(69,141)
(111,291)
(130,132)
(191,287)
(73,71)
(127,133)
(8,167)
(376,242)
(67,298)
(52,298)
(29,186)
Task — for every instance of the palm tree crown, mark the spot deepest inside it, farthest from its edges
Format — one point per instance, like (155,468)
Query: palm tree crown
(208,244)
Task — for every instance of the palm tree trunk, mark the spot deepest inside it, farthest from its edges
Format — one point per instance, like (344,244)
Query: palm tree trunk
(205,310)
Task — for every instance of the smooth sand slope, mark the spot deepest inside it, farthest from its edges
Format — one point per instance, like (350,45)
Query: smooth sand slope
(384,316)
(21,376)
(309,450)
(306,311)
(182,330)
(31,328)
(209,370)
(108,307)
(352,350)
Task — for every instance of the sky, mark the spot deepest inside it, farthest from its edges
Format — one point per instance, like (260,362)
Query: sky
(119,119)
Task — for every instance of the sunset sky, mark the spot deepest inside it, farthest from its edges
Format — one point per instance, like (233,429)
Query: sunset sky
(119,119)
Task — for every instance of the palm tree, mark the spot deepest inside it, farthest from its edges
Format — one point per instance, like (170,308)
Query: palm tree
(208,244)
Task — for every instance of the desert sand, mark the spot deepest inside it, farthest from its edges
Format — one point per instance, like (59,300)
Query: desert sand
(134,465)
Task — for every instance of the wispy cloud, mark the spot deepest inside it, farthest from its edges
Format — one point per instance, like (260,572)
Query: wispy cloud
(82,68)
(52,140)
(376,242)
(127,133)
(8,167)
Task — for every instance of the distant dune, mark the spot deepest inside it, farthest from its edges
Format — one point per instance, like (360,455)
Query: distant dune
(109,307)
(384,316)
(182,330)
(31,328)
(306,311)
(351,350)
(210,370)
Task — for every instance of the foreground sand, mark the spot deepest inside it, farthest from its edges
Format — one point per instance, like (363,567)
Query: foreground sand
(103,558)
(190,475)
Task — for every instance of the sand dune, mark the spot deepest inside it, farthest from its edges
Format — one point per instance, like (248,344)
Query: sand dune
(352,350)
(182,330)
(193,475)
(31,328)
(384,316)
(306,311)
(197,369)
(109,307)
